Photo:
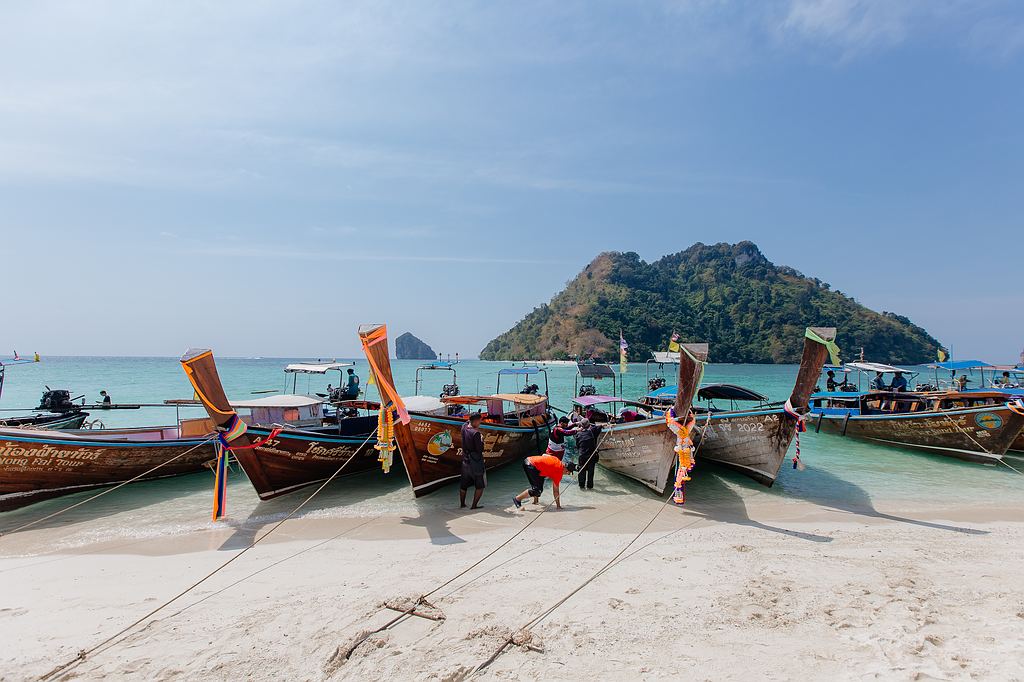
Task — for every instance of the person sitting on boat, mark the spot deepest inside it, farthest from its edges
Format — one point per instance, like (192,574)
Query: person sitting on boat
(878,383)
(474,471)
(1004,382)
(627,415)
(830,383)
(962,382)
(538,468)
(104,399)
(352,389)
(556,441)
(899,382)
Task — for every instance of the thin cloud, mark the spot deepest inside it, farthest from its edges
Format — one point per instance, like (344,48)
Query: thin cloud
(272,252)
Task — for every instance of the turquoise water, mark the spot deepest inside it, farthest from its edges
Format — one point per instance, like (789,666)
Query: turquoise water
(841,473)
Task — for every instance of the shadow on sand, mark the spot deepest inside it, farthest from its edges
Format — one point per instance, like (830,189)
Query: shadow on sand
(818,486)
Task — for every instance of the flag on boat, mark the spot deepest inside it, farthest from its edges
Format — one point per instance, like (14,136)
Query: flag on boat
(942,355)
(623,366)
(16,355)
(220,482)
(36,357)
(673,343)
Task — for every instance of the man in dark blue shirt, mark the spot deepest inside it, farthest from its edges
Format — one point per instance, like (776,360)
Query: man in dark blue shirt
(878,383)
(899,383)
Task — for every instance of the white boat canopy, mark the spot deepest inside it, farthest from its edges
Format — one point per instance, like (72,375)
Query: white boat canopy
(315,367)
(277,401)
(876,367)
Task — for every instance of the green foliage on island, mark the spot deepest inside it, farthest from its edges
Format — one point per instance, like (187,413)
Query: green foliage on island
(728,295)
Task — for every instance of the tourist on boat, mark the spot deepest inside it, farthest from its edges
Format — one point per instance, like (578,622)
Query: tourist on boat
(899,382)
(556,441)
(586,442)
(878,383)
(352,389)
(627,415)
(538,468)
(830,383)
(104,399)
(474,471)
(962,382)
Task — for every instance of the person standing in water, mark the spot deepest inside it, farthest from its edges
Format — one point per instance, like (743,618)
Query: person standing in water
(586,441)
(474,471)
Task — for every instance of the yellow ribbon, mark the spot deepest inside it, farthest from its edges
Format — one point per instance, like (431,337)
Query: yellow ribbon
(833,349)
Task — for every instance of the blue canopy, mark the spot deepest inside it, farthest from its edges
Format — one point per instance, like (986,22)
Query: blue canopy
(960,364)
(437,365)
(665,392)
(520,370)
(840,394)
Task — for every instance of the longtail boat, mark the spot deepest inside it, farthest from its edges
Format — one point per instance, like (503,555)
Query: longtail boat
(277,456)
(644,449)
(754,441)
(39,464)
(430,445)
(976,426)
(53,422)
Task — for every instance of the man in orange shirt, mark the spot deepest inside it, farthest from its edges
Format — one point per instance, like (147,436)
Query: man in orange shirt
(538,468)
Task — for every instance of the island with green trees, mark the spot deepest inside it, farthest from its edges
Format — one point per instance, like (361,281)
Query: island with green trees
(729,295)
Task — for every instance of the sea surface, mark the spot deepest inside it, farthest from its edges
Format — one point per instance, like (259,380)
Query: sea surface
(840,473)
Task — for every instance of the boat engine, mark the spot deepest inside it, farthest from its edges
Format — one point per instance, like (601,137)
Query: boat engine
(587,389)
(449,390)
(530,389)
(56,401)
(655,383)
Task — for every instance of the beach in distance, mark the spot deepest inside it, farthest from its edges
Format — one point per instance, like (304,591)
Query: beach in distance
(871,563)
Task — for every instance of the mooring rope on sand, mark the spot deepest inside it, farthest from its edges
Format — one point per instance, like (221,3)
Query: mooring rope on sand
(83,654)
(422,599)
(108,490)
(510,640)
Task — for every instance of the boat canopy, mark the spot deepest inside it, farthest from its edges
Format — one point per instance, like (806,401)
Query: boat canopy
(877,367)
(960,364)
(520,370)
(663,393)
(315,367)
(517,398)
(437,365)
(728,392)
(595,371)
(423,403)
(277,401)
(589,400)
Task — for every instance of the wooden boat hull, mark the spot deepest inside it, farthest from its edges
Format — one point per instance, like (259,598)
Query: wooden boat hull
(37,465)
(53,422)
(981,434)
(643,451)
(433,453)
(753,443)
(294,459)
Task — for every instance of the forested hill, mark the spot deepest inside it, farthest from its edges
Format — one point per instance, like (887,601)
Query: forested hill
(729,295)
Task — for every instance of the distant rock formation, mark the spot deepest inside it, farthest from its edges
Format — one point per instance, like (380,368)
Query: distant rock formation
(408,347)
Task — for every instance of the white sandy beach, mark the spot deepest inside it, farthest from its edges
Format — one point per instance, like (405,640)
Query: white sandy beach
(776,590)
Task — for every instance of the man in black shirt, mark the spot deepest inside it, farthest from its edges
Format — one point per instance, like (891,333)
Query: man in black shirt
(586,443)
(474,472)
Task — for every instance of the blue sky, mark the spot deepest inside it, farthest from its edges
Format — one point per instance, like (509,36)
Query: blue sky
(260,177)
